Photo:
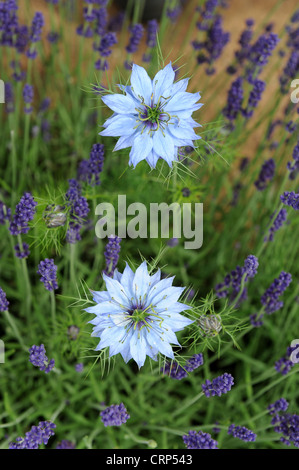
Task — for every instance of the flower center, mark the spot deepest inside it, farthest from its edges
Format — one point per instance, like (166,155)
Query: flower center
(153,114)
(139,315)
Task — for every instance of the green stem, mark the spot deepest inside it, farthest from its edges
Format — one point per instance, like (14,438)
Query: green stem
(15,329)
(187,404)
(53,309)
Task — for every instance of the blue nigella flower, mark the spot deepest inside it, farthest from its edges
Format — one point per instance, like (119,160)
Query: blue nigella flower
(138,315)
(153,117)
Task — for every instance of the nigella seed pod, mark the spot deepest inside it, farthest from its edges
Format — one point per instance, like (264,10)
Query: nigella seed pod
(54,216)
(210,324)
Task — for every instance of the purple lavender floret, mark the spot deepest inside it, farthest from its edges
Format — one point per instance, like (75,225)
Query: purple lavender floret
(288,425)
(111,254)
(79,367)
(136,31)
(278,222)
(25,211)
(250,265)
(256,320)
(78,210)
(218,386)
(244,41)
(22,252)
(39,359)
(152,30)
(194,362)
(290,198)
(270,299)
(254,97)
(174,370)
(284,364)
(199,440)
(242,433)
(266,174)
(35,33)
(114,415)
(9,98)
(5,213)
(260,53)
(234,100)
(90,170)
(107,41)
(37,436)
(232,281)
(47,270)
(65,444)
(278,406)
(3,301)
(28,95)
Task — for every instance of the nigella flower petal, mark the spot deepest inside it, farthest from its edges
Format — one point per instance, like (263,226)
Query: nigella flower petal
(141,282)
(141,84)
(127,280)
(156,341)
(99,296)
(163,82)
(121,104)
(180,86)
(125,141)
(155,278)
(104,307)
(117,333)
(152,159)
(117,275)
(159,287)
(127,89)
(182,101)
(101,323)
(142,146)
(122,346)
(167,297)
(138,347)
(120,125)
(180,132)
(163,146)
(169,335)
(120,319)
(177,322)
(116,291)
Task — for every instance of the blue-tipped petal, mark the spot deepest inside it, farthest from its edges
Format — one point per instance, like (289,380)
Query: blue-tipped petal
(120,104)
(163,82)
(141,84)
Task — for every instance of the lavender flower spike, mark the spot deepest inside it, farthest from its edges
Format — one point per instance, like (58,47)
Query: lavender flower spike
(39,359)
(37,436)
(47,271)
(3,301)
(218,386)
(111,254)
(114,415)
(199,440)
